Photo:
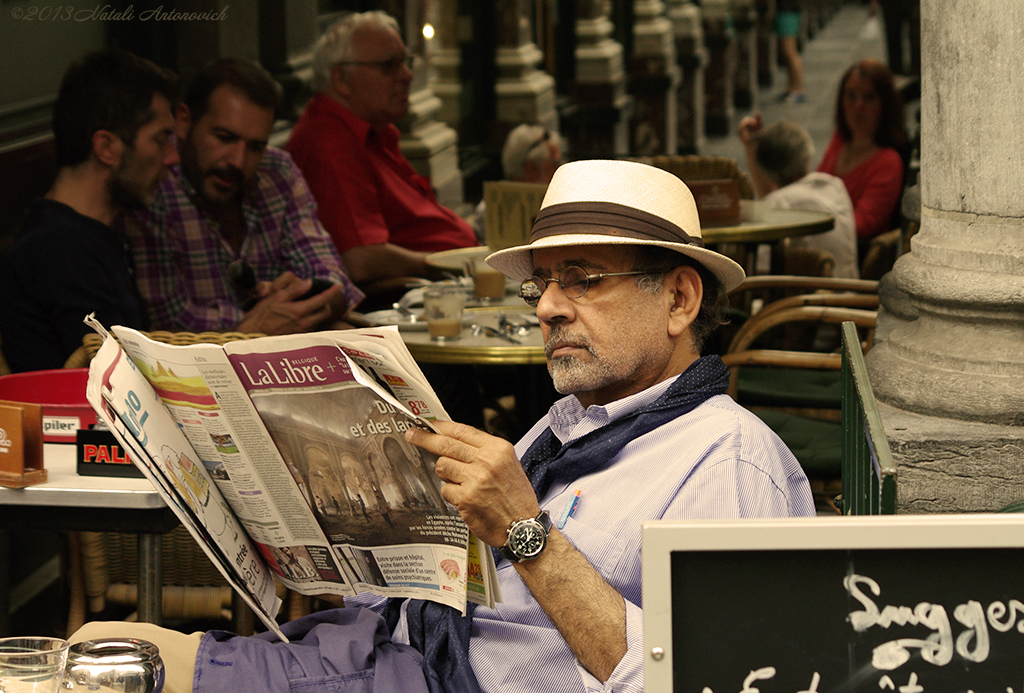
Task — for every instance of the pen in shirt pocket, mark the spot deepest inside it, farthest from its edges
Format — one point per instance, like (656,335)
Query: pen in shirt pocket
(570,508)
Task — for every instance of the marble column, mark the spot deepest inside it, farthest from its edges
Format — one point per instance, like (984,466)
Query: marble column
(287,34)
(692,57)
(430,145)
(720,76)
(744,20)
(654,77)
(445,61)
(949,379)
(525,94)
(599,127)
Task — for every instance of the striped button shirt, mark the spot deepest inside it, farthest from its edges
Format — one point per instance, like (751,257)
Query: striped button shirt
(718,461)
(182,262)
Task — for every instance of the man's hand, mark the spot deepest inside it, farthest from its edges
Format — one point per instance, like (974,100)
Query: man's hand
(487,484)
(749,127)
(278,311)
(484,479)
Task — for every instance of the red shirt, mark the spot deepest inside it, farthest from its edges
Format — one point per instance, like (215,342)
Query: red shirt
(366,191)
(874,185)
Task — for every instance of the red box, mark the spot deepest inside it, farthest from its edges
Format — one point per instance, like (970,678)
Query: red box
(61,392)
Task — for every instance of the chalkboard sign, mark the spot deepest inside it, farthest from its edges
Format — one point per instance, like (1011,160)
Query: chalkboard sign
(911,604)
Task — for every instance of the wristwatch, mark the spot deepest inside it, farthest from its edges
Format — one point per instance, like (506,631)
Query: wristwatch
(526,538)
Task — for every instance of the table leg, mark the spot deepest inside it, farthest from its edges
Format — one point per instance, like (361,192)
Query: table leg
(243,620)
(150,594)
(5,583)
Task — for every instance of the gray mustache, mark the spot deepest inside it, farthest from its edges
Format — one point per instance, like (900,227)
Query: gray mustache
(560,334)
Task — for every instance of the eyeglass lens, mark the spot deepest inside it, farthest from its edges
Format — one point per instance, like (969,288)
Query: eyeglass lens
(573,281)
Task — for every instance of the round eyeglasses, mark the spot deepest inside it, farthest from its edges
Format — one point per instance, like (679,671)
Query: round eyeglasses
(573,281)
(389,67)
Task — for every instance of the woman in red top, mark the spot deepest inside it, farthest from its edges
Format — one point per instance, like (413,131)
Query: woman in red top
(863,151)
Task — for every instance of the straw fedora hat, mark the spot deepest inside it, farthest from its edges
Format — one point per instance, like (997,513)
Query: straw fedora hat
(616,203)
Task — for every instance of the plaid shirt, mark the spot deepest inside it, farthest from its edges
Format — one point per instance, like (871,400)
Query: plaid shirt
(182,262)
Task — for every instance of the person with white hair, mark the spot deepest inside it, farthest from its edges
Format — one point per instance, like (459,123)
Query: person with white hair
(383,216)
(779,158)
(531,153)
(626,294)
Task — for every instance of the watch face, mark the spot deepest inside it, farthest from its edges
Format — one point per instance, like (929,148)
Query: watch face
(527,539)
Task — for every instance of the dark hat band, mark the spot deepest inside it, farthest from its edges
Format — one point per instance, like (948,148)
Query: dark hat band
(608,219)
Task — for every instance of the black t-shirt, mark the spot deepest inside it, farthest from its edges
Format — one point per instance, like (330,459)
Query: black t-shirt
(62,267)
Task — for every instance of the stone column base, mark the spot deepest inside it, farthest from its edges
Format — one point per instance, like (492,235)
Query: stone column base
(949,466)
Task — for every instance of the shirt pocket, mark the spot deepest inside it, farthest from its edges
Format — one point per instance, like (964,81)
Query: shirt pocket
(604,551)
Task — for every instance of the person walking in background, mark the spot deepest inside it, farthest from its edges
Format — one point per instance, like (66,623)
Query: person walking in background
(865,148)
(787,26)
(897,15)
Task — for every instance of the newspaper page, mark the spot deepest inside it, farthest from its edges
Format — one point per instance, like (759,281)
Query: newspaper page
(341,433)
(310,453)
(128,405)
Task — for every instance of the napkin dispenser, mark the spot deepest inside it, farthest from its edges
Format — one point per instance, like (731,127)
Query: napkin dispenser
(718,201)
(21,444)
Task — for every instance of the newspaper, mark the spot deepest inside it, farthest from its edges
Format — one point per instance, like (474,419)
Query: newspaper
(285,457)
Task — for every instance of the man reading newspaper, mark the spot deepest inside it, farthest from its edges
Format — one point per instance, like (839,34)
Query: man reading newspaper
(626,293)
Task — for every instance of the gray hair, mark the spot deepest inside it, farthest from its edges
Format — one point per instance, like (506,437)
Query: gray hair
(784,151)
(335,45)
(523,144)
(659,262)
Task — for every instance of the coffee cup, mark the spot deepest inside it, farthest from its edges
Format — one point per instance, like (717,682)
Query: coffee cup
(488,283)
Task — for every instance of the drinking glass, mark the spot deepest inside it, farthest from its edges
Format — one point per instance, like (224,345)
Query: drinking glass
(488,283)
(32,664)
(442,307)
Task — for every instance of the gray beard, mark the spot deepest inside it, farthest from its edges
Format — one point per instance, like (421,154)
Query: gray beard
(568,373)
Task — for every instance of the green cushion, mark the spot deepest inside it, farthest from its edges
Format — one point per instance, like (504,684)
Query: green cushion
(817,445)
(1016,506)
(789,387)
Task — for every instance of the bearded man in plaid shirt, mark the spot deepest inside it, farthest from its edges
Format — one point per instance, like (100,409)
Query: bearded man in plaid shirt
(232,240)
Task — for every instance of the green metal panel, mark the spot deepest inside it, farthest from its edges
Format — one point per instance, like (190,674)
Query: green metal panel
(869,474)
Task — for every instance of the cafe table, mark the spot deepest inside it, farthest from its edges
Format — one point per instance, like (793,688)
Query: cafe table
(69,502)
(481,349)
(766,225)
(517,367)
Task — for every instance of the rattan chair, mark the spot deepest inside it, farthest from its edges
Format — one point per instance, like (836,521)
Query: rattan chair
(796,389)
(102,566)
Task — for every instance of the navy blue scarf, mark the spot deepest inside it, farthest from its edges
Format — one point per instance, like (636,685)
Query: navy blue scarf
(440,632)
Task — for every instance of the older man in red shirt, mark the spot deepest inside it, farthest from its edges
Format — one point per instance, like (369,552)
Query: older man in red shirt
(382,215)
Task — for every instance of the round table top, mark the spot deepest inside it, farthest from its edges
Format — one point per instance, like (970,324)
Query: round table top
(482,349)
(773,225)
